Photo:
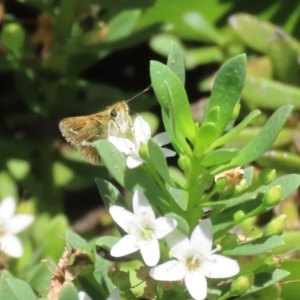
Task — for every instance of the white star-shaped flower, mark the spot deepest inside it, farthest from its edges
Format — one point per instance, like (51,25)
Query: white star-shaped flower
(141,133)
(143,230)
(195,261)
(10,225)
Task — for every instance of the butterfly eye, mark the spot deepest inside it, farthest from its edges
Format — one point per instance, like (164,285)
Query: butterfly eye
(113,113)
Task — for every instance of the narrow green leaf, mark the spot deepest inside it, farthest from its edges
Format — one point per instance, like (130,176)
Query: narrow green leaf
(206,134)
(77,241)
(265,279)
(254,32)
(172,97)
(198,22)
(180,196)
(109,193)
(69,292)
(158,160)
(175,62)
(227,89)
(234,131)
(270,94)
(122,24)
(15,289)
(255,247)
(219,156)
(264,139)
(131,179)
(281,161)
(284,58)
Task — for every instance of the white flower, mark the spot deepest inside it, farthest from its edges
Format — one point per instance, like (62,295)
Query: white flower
(141,133)
(195,261)
(114,295)
(10,225)
(83,296)
(142,228)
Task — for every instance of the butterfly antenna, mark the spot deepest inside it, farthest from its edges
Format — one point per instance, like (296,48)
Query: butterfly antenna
(145,90)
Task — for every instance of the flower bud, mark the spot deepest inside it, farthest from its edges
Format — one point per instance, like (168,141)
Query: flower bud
(238,216)
(120,279)
(266,176)
(12,36)
(236,111)
(229,241)
(273,195)
(82,261)
(271,263)
(241,284)
(184,163)
(240,187)
(276,226)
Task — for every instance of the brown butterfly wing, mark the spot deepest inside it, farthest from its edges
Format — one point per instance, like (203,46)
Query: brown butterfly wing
(82,132)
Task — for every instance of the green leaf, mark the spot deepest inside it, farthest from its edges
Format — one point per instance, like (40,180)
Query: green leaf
(109,193)
(77,241)
(265,138)
(270,94)
(281,161)
(175,62)
(206,134)
(122,25)
(255,247)
(158,160)
(182,224)
(52,244)
(227,89)
(253,32)
(15,289)
(69,292)
(219,156)
(172,97)
(284,58)
(198,22)
(265,279)
(234,131)
(180,196)
(132,179)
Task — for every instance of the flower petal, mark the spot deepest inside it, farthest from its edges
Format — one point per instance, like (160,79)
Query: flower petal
(11,245)
(133,161)
(178,243)
(164,226)
(114,295)
(218,266)
(196,284)
(168,152)
(125,219)
(83,296)
(162,138)
(124,145)
(202,237)
(169,271)
(126,245)
(141,130)
(141,207)
(7,209)
(150,252)
(18,223)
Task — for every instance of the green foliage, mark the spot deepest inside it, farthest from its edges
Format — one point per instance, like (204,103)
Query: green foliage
(47,58)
